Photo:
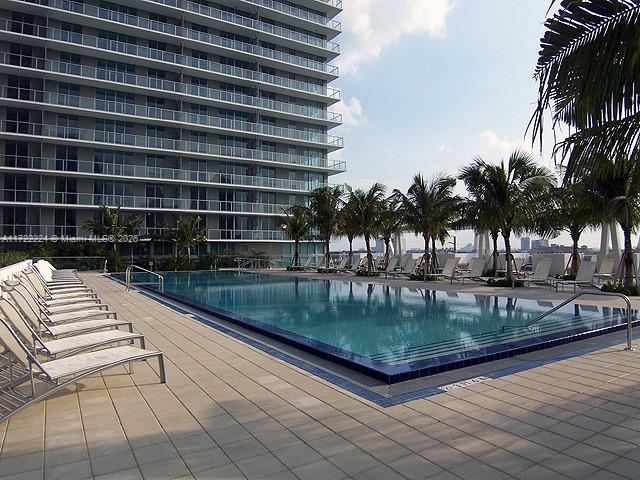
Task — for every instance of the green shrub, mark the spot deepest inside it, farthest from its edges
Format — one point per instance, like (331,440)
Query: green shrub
(364,273)
(9,258)
(619,288)
(503,282)
(420,277)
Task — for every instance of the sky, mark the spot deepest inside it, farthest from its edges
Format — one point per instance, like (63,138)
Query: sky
(427,85)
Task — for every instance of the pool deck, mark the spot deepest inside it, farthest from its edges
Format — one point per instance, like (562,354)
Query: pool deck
(231,411)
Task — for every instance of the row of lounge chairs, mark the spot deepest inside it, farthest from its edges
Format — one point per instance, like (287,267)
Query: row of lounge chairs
(54,331)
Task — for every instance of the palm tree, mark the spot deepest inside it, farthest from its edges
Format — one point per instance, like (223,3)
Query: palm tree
(616,189)
(588,79)
(428,208)
(390,223)
(349,227)
(324,205)
(513,194)
(112,226)
(296,226)
(570,210)
(187,234)
(367,205)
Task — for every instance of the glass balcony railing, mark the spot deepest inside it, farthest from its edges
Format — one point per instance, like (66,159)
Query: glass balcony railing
(299,13)
(140,202)
(214,234)
(251,23)
(161,143)
(177,31)
(184,118)
(144,172)
(39,231)
(131,49)
(168,86)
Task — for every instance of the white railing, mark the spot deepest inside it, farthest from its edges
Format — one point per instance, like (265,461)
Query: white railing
(168,86)
(204,66)
(154,173)
(299,13)
(139,202)
(183,118)
(161,143)
(177,31)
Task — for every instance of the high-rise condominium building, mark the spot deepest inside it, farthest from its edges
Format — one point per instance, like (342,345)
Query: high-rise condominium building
(166,108)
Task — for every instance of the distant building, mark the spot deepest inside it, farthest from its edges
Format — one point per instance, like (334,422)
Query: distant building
(525,243)
(379,246)
(541,243)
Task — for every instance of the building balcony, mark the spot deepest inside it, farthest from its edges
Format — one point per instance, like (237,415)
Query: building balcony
(145,114)
(247,235)
(37,232)
(13,129)
(292,11)
(144,83)
(151,56)
(328,48)
(135,202)
(247,49)
(88,169)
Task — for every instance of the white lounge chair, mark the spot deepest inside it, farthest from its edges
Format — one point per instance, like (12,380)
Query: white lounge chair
(584,277)
(59,305)
(449,269)
(63,346)
(541,273)
(477,268)
(56,375)
(393,263)
(606,270)
(406,271)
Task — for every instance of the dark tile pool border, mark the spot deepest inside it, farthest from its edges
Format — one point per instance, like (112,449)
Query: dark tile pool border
(388,374)
(374,397)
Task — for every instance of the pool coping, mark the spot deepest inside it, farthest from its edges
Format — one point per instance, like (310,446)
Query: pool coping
(353,387)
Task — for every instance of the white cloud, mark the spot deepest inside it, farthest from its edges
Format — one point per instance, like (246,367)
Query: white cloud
(370,26)
(503,146)
(352,112)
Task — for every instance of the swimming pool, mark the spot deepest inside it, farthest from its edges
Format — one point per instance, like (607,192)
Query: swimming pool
(391,333)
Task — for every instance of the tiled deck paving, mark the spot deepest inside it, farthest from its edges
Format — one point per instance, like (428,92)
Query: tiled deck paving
(230,411)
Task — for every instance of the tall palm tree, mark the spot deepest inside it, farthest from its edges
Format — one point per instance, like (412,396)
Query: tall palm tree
(349,227)
(390,223)
(113,226)
(588,79)
(428,207)
(512,194)
(296,226)
(616,188)
(571,210)
(324,206)
(367,205)
(475,215)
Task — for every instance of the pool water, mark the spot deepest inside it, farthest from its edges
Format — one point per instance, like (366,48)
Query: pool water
(390,332)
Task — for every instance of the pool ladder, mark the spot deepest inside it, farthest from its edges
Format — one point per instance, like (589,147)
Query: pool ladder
(130,268)
(576,296)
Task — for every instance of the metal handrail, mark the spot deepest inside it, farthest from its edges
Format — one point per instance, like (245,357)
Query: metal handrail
(244,262)
(574,297)
(136,267)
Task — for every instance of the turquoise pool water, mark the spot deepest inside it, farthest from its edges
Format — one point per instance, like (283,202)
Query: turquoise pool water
(394,330)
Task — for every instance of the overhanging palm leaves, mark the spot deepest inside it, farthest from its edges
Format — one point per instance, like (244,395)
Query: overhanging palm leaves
(589,79)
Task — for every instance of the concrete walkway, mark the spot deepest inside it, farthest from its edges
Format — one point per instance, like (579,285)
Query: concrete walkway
(230,411)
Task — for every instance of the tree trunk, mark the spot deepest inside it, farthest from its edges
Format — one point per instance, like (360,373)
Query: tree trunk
(387,246)
(575,258)
(350,252)
(296,255)
(434,256)
(189,257)
(507,248)
(425,258)
(367,242)
(628,258)
(326,252)
(494,254)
